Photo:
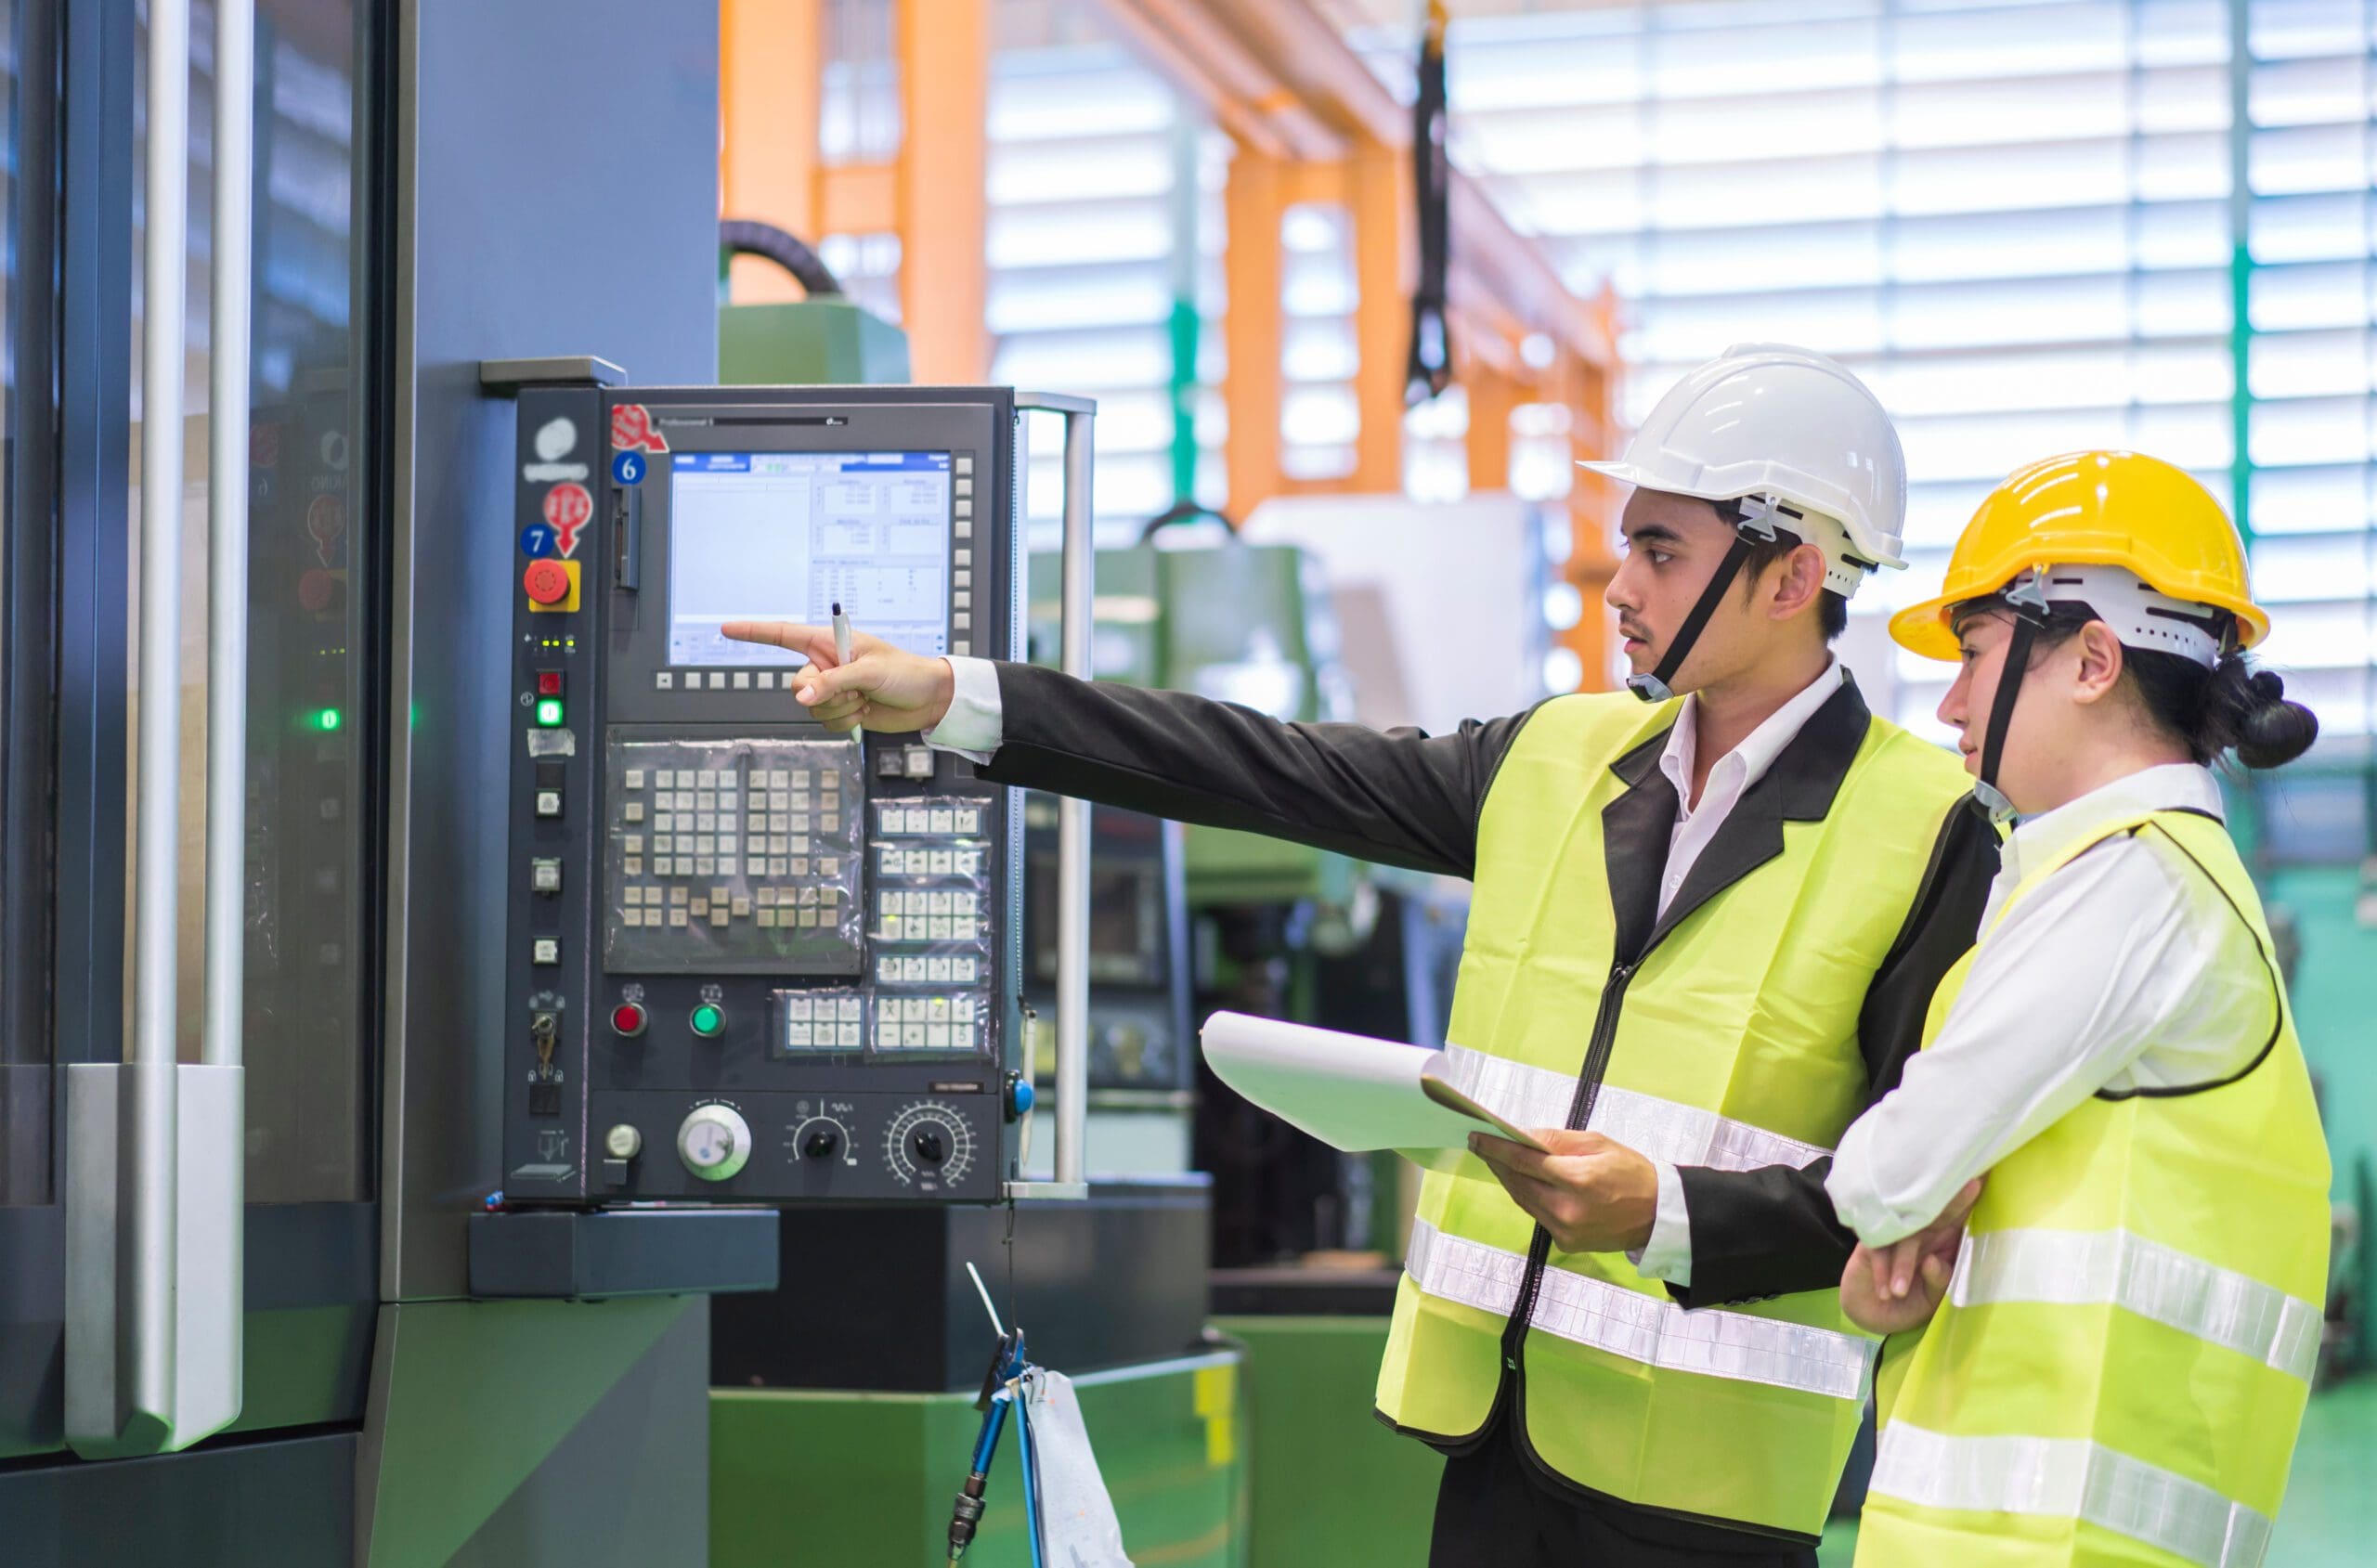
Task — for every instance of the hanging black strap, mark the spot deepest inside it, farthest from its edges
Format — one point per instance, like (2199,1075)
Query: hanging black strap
(1429,369)
(1659,686)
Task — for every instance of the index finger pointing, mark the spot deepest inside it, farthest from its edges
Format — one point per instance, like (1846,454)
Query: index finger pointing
(815,641)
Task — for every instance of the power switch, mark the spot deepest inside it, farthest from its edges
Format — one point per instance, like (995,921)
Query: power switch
(549,682)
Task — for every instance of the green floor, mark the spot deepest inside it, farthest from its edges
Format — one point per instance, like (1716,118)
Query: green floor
(1332,1489)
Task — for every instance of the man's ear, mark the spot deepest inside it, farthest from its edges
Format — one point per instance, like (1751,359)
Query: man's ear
(1798,581)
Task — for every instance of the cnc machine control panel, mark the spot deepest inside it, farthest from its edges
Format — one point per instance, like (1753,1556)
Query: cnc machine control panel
(748,959)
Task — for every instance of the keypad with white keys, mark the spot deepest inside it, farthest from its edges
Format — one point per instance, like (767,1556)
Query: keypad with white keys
(739,856)
(927,923)
(928,1023)
(821,1020)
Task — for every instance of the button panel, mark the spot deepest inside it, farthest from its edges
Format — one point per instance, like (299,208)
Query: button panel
(808,1022)
(928,924)
(674,960)
(739,856)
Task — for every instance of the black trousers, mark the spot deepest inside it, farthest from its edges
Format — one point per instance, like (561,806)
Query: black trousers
(1495,1510)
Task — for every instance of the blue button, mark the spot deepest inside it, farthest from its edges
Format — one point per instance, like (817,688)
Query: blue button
(537,540)
(1020,1098)
(627,468)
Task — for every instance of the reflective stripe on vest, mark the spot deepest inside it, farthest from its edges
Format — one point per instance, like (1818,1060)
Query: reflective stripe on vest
(2069,1478)
(1681,1135)
(2114,1267)
(1645,1328)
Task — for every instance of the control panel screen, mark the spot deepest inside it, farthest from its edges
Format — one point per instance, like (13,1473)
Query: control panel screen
(786,536)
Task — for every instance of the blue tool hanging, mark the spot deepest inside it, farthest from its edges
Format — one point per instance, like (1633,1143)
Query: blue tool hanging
(1068,1516)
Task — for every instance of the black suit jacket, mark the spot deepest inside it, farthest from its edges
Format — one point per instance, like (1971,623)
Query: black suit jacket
(1405,798)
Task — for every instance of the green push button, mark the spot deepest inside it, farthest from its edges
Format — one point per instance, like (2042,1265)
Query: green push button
(709,1021)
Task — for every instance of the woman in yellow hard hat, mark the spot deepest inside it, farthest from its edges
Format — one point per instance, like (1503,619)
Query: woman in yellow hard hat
(2121,1329)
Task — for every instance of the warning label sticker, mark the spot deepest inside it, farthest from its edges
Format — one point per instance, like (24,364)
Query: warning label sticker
(631,430)
(568,508)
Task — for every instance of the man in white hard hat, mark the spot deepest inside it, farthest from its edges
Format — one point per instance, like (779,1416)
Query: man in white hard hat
(1707,927)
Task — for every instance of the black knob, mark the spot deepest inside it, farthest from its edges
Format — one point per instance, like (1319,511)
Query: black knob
(821,1144)
(929,1146)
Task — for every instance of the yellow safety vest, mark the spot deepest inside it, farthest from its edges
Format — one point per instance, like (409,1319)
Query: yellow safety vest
(1723,1035)
(2120,1368)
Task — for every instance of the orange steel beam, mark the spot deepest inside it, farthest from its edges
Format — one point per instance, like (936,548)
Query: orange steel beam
(859,199)
(1386,267)
(771,60)
(1195,35)
(1303,61)
(1492,398)
(1592,512)
(1255,201)
(939,201)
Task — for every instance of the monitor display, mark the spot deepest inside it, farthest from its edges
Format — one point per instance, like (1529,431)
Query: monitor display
(783,536)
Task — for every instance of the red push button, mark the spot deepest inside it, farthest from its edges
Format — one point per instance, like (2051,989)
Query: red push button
(546,581)
(549,682)
(627,1018)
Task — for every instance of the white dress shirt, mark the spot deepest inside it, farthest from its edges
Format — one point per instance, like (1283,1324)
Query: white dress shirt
(975,726)
(2126,969)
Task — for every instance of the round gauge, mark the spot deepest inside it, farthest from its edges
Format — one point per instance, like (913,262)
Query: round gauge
(928,1142)
(715,1141)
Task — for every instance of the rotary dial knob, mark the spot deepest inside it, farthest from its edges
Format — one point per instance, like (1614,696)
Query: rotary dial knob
(929,1144)
(715,1141)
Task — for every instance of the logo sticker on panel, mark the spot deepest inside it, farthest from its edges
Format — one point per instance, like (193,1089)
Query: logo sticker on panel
(631,430)
(568,508)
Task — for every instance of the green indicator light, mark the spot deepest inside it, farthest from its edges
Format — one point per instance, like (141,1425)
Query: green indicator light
(709,1019)
(549,711)
(328,719)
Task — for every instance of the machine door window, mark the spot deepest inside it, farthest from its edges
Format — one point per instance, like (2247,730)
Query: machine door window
(310,969)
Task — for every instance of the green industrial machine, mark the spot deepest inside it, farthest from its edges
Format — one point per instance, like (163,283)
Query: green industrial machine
(824,340)
(813,343)
(1247,623)
(802,1478)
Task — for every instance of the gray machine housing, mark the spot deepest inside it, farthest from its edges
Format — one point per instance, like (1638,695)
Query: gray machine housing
(824,1055)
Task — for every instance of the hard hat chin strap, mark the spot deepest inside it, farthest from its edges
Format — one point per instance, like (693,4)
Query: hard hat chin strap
(2030,617)
(1753,521)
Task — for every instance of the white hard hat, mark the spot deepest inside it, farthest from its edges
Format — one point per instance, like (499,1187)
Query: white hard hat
(1767,420)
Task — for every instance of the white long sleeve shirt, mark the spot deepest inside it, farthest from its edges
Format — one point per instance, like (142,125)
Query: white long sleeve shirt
(2126,969)
(975,727)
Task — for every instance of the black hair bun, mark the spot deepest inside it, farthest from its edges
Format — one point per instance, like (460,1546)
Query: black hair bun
(2270,730)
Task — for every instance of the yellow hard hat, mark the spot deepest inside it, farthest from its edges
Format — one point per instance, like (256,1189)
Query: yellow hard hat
(2093,509)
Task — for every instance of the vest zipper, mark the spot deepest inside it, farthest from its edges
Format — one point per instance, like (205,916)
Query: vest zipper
(1604,1039)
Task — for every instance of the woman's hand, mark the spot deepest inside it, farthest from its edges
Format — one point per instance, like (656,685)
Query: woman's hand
(885,688)
(1890,1289)
(1591,1194)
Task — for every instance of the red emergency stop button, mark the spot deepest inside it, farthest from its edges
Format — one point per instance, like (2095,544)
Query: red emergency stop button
(546,581)
(627,1018)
